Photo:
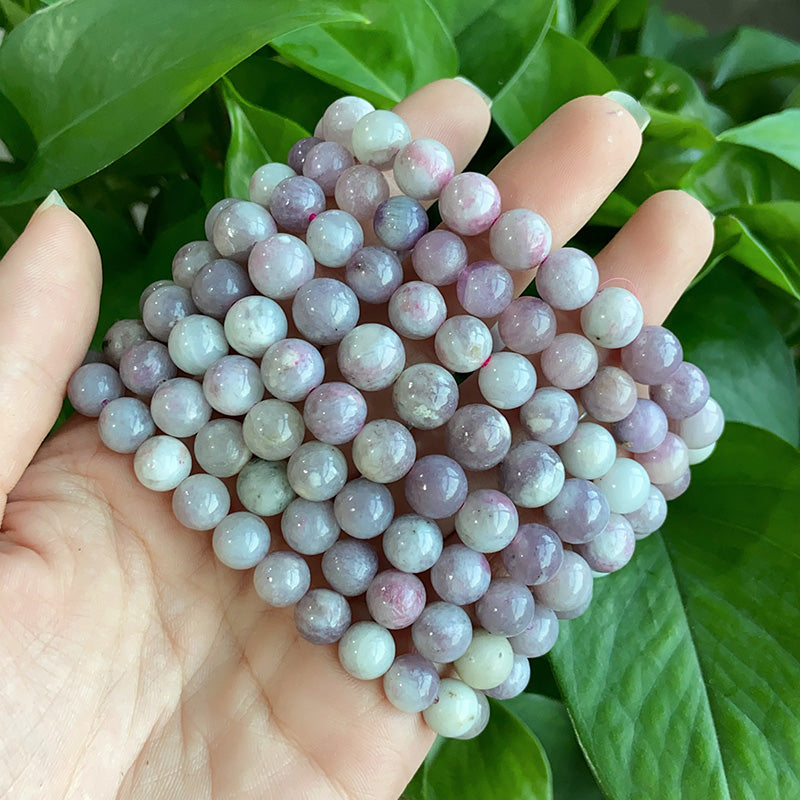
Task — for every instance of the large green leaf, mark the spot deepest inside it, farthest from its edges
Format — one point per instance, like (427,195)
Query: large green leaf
(395,49)
(725,329)
(94,78)
(776,134)
(682,677)
(662,32)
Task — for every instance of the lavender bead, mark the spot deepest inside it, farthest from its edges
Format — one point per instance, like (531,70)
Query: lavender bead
(677,487)
(702,428)
(214,212)
(322,616)
(341,117)
(516,683)
(550,416)
(384,451)
(520,239)
(144,366)
(569,589)
(273,429)
(488,521)
(281,579)
(442,632)
(377,138)
(507,607)
(411,683)
(507,381)
(295,202)
(317,471)
(218,285)
(612,548)
(196,342)
(254,323)
(422,168)
(653,356)
(291,369)
(92,387)
(610,396)
(124,424)
(201,502)
(643,429)
(463,343)
(373,273)
(439,257)
(179,407)
(232,385)
(364,509)
(568,279)
(395,599)
(241,540)
(417,310)
(579,512)
(189,260)
(412,543)
(469,204)
(461,575)
(534,555)
(360,190)
(219,448)
(264,180)
(589,453)
(485,289)
(121,336)
(335,412)
(349,566)
(540,636)
(334,237)
(263,488)
(570,362)
(279,265)
(149,289)
(325,162)
(425,396)
(309,527)
(238,227)
(436,486)
(164,308)
(668,461)
(296,157)
(613,318)
(478,437)
(371,357)
(531,474)
(400,222)
(649,517)
(94,357)
(527,326)
(325,310)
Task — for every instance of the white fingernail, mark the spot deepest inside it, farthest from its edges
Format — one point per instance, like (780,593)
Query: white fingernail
(468,82)
(632,106)
(53,199)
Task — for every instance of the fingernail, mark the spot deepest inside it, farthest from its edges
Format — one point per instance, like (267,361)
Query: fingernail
(468,82)
(53,199)
(632,106)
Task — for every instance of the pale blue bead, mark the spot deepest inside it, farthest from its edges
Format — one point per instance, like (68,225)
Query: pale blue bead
(201,502)
(124,424)
(364,509)
(309,527)
(241,540)
(282,578)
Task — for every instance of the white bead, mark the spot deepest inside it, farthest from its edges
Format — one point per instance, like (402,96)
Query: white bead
(699,454)
(463,343)
(507,381)
(366,650)
(265,179)
(417,310)
(487,662)
(196,342)
(589,453)
(273,429)
(378,136)
(161,463)
(702,429)
(626,486)
(333,237)
(455,709)
(340,118)
(371,357)
(253,324)
(423,168)
(613,318)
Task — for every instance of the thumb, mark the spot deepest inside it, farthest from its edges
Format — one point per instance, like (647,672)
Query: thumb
(49,295)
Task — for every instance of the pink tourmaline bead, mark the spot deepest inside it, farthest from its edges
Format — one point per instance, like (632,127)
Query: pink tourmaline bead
(676,488)
(423,168)
(612,548)
(299,150)
(470,203)
(335,412)
(569,589)
(295,202)
(439,257)
(527,326)
(610,396)
(395,599)
(485,289)
(238,227)
(667,462)
(568,279)
(520,239)
(417,310)
(359,190)
(540,636)
(325,162)
(340,118)
(570,361)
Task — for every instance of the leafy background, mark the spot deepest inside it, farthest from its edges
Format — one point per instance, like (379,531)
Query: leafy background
(681,681)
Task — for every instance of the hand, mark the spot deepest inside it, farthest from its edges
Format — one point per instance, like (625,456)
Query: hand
(135,665)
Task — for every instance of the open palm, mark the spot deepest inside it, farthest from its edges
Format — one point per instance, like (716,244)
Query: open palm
(135,665)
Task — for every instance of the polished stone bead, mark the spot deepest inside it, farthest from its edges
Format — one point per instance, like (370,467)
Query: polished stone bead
(412,543)
(161,463)
(263,488)
(568,279)
(190,259)
(463,343)
(589,453)
(534,555)
(610,396)
(488,521)
(666,462)
(436,486)
(626,486)
(280,265)
(442,632)
(179,407)
(469,204)
(215,211)
(241,540)
(400,222)
(579,512)
(373,273)
(527,326)
(613,318)
(309,527)
(455,711)
(295,202)
(264,180)
(341,117)
(144,366)
(395,599)
(349,566)
(335,412)
(363,508)
(643,429)
(219,448)
(507,607)
(439,257)
(422,168)
(273,429)
(325,310)
(296,157)
(531,474)
(425,396)
(612,548)
(366,650)
(238,227)
(684,393)
(334,237)
(384,451)
(570,362)
(291,369)
(196,342)
(650,516)
(417,310)
(92,386)
(254,323)
(540,636)
(487,661)
(322,616)
(653,356)
(325,162)
(317,471)
(412,683)
(201,502)
(281,579)
(520,239)
(461,575)
(550,416)
(164,307)
(677,487)
(516,683)
(218,285)
(570,588)
(371,356)
(232,385)
(507,381)
(121,336)
(485,289)
(360,190)
(377,138)
(702,428)
(478,437)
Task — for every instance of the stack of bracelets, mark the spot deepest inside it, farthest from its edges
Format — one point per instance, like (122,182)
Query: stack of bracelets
(245,318)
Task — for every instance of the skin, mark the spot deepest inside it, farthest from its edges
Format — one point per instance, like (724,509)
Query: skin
(134,664)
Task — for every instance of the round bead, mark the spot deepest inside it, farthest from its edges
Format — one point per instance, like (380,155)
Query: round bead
(517,681)
(487,521)
(373,273)
(219,448)
(349,566)
(325,162)
(264,180)
(341,117)
(643,429)
(569,589)
(570,361)
(334,237)
(150,289)
(196,342)
(412,543)
(684,393)
(254,323)
(164,308)
(309,527)
(422,168)
(436,487)
(478,437)
(360,190)
(238,227)
(371,357)
(232,385)
(461,575)
(335,412)
(534,555)
(291,368)
(201,502)
(189,260)
(317,471)
(520,239)
(650,516)
(425,396)
(589,453)
(296,157)
(507,381)
(676,488)
(378,136)
(384,451)
(610,396)
(121,336)
(411,683)
(218,285)
(579,512)
(699,455)
(281,579)
(485,289)
(469,204)
(366,651)
(625,485)
(487,661)
(263,488)
(295,202)
(442,632)
(161,463)
(531,474)
(241,540)
(455,710)
(550,416)
(92,387)
(568,279)
(439,257)
(612,548)
(507,607)
(395,599)
(540,636)
(214,212)
(463,343)
(324,310)
(653,356)
(322,616)
(702,428)
(144,366)
(527,326)
(613,318)
(400,222)
(364,509)
(417,310)
(280,265)
(668,461)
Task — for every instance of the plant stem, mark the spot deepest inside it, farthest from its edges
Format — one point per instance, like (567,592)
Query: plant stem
(593,21)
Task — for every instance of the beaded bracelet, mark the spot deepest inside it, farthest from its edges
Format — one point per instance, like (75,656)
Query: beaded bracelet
(597,461)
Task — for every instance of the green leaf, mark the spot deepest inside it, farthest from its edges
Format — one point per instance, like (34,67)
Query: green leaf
(594,19)
(13,12)
(559,70)
(727,332)
(661,32)
(615,211)
(682,677)
(550,723)
(257,136)
(137,63)
(505,761)
(397,48)
(776,134)
(754,52)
